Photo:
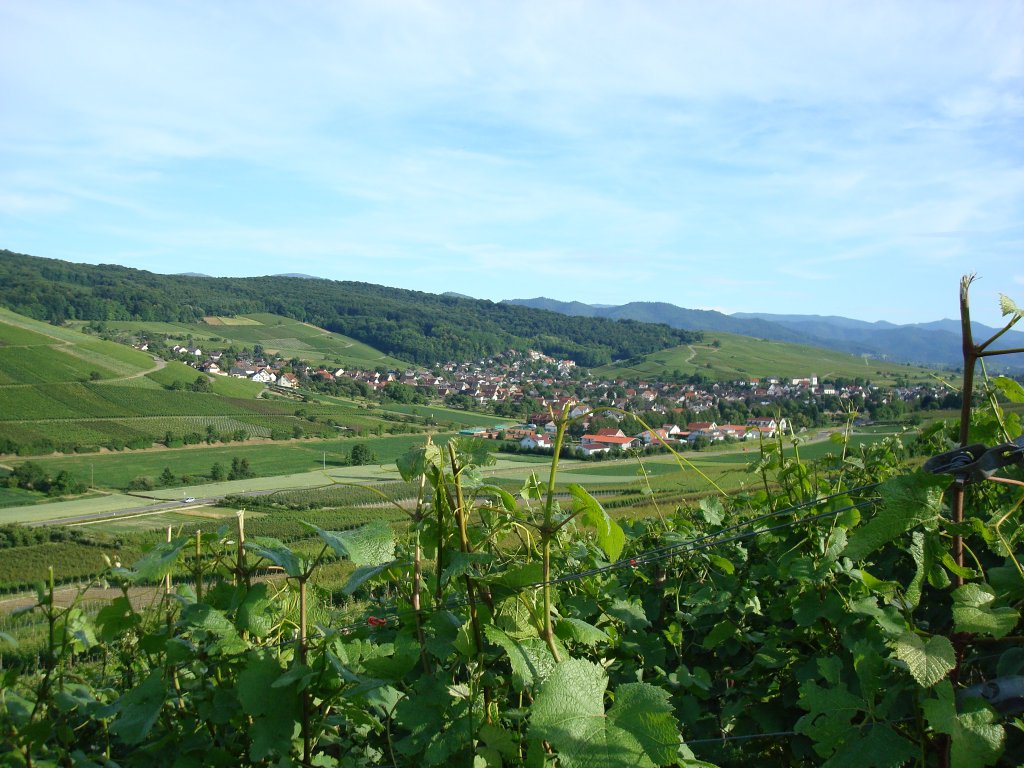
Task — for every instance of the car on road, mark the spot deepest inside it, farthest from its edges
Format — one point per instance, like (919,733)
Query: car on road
(189,500)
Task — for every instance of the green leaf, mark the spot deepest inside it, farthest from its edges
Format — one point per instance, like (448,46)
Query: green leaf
(139,709)
(610,536)
(507,500)
(630,613)
(280,555)
(908,501)
(972,612)
(874,746)
(421,715)
(159,561)
(370,544)
(363,574)
(116,618)
(580,632)
(415,461)
(1011,389)
(646,713)
(976,740)
(712,510)
(530,657)
(569,714)
(275,714)
(724,630)
(460,563)
(927,551)
(516,578)
(928,662)
(830,711)
(255,614)
(200,616)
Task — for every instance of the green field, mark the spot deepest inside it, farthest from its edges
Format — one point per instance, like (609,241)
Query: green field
(117,470)
(66,391)
(743,358)
(277,335)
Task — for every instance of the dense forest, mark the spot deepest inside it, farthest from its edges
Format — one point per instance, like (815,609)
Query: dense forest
(420,327)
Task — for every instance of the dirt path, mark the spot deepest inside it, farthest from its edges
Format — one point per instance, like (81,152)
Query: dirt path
(160,364)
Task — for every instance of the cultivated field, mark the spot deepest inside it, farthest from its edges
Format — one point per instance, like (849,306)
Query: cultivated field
(743,357)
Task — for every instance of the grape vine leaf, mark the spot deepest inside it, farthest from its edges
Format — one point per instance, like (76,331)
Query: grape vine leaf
(280,555)
(610,536)
(255,613)
(874,746)
(530,658)
(415,461)
(972,612)
(370,544)
(976,740)
(646,712)
(274,716)
(908,500)
(580,631)
(1011,389)
(139,709)
(569,714)
(928,661)
(829,712)
(363,574)
(158,562)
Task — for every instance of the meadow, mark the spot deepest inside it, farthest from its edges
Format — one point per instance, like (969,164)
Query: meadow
(277,335)
(728,357)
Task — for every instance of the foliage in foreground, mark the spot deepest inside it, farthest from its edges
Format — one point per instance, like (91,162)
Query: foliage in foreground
(824,623)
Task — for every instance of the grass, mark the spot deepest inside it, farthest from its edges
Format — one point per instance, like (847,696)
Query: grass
(277,335)
(743,358)
(50,401)
(117,470)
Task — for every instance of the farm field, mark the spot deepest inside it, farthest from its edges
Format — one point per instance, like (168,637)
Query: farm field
(73,393)
(117,470)
(744,357)
(277,335)
(33,353)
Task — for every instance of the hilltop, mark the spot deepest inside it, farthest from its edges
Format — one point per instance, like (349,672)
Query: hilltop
(413,326)
(935,344)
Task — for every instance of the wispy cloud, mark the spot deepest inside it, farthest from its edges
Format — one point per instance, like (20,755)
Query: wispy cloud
(623,150)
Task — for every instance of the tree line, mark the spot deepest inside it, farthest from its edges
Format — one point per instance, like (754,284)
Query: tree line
(420,327)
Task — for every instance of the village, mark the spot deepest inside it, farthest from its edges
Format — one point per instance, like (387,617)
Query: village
(534,388)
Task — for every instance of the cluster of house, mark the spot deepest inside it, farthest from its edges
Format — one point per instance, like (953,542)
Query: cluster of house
(549,383)
(610,439)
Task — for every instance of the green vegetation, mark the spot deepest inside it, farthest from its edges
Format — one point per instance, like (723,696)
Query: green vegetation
(727,357)
(418,327)
(57,394)
(817,617)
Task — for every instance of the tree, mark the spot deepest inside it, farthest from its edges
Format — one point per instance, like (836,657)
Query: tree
(217,471)
(240,469)
(361,455)
(167,477)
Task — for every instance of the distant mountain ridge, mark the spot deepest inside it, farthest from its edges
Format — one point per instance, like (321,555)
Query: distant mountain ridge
(936,343)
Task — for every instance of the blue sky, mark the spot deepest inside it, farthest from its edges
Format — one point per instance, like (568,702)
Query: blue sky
(850,158)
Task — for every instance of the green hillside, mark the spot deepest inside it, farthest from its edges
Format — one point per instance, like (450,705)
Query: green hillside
(727,357)
(277,335)
(414,326)
(32,352)
(65,391)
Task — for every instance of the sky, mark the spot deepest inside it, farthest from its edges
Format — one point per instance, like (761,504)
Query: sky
(837,158)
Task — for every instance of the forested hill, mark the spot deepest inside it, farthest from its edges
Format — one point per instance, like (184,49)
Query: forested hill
(420,327)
